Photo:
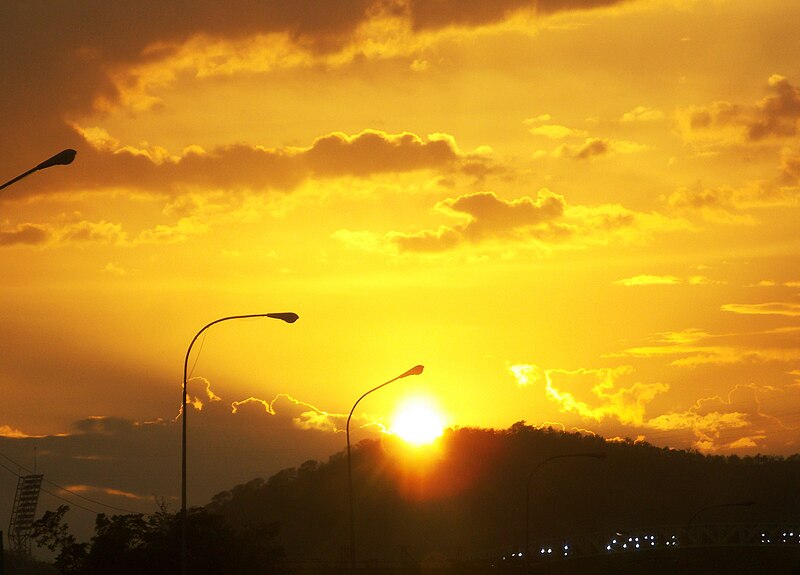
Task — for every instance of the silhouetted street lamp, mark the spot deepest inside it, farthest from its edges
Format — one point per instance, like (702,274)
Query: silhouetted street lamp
(62,158)
(416,370)
(735,504)
(594,455)
(288,317)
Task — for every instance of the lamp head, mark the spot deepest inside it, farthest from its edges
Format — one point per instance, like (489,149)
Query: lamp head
(288,317)
(62,158)
(416,370)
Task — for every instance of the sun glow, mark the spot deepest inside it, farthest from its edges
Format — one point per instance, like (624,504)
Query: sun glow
(418,422)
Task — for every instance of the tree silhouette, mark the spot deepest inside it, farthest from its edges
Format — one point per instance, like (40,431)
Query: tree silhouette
(137,543)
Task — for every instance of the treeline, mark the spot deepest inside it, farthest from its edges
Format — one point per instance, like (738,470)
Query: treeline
(136,543)
(467,497)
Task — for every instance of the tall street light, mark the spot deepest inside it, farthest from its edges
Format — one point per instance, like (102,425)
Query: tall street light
(62,158)
(594,455)
(288,317)
(718,505)
(416,370)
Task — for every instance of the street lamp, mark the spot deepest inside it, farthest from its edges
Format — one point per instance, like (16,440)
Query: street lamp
(288,317)
(594,455)
(416,370)
(706,508)
(62,158)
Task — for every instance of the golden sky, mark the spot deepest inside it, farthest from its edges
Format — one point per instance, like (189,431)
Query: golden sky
(577,213)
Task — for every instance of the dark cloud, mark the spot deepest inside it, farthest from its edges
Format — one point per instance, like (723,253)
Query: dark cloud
(697,197)
(435,14)
(374,152)
(24,234)
(251,167)
(60,62)
(104,425)
(127,464)
(790,168)
(428,241)
(775,116)
(491,216)
(779,113)
(592,147)
(487,217)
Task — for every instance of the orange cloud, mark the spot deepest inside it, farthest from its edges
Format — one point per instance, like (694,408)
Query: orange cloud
(541,126)
(626,404)
(122,49)
(726,204)
(648,280)
(256,168)
(692,348)
(306,416)
(24,234)
(740,420)
(196,401)
(486,216)
(790,167)
(592,147)
(642,114)
(8,431)
(524,222)
(82,488)
(429,14)
(790,309)
(745,419)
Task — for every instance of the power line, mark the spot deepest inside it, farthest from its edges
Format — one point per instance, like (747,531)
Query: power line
(57,486)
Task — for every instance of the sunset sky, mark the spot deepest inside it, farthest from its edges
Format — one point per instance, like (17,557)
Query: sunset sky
(577,213)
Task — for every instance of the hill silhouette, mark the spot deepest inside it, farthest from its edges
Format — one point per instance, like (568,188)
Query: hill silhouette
(465,497)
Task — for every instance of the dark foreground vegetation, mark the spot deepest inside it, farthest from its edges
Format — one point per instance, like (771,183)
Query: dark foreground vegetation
(459,507)
(138,544)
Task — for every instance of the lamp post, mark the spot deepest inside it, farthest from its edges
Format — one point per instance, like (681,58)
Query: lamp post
(288,317)
(706,508)
(62,158)
(594,455)
(416,370)
(697,539)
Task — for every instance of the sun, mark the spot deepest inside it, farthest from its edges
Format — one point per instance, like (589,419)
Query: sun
(418,422)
